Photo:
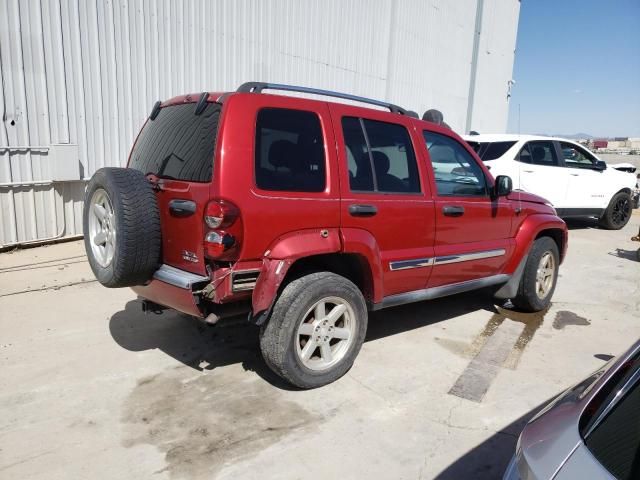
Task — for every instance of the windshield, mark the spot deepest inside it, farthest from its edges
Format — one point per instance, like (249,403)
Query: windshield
(488,151)
(178,144)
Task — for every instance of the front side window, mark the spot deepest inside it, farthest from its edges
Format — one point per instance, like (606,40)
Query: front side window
(380,157)
(576,157)
(289,151)
(539,153)
(455,170)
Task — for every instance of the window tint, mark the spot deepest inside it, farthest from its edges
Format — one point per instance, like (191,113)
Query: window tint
(178,143)
(608,392)
(455,170)
(615,442)
(576,157)
(539,153)
(359,162)
(488,151)
(289,151)
(380,157)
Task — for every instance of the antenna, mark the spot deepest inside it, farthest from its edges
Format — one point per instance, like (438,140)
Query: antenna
(519,209)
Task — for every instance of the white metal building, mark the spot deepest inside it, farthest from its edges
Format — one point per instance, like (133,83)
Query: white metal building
(79,77)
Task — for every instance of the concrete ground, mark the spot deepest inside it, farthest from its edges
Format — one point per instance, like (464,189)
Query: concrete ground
(90,387)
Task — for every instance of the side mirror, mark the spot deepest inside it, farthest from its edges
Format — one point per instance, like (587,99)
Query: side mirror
(503,186)
(600,165)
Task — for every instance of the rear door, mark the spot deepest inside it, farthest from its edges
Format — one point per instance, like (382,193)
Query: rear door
(384,193)
(541,172)
(472,229)
(177,147)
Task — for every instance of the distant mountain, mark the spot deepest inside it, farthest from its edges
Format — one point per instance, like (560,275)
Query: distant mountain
(574,136)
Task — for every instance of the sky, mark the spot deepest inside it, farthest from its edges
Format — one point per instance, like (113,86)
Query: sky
(577,68)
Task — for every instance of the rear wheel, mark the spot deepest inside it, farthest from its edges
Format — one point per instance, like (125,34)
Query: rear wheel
(618,212)
(539,277)
(315,331)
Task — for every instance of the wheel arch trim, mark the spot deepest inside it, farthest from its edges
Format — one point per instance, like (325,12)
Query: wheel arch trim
(533,227)
(295,246)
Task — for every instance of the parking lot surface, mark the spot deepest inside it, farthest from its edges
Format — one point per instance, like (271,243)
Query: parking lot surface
(91,387)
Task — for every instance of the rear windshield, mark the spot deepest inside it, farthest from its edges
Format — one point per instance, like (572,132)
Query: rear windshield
(178,144)
(488,151)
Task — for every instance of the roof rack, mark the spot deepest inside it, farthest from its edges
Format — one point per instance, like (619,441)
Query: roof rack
(258,87)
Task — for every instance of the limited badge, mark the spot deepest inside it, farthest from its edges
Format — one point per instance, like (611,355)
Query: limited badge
(189,256)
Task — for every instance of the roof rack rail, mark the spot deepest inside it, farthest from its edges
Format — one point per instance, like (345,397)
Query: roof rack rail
(258,87)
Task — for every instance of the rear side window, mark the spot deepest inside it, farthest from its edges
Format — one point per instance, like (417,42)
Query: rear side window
(539,153)
(488,151)
(456,172)
(380,157)
(289,151)
(178,144)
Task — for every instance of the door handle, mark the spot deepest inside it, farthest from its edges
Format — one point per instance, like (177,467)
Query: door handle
(182,208)
(527,171)
(453,211)
(362,210)
(574,174)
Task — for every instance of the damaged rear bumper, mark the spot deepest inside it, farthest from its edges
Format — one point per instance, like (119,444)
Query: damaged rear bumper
(174,288)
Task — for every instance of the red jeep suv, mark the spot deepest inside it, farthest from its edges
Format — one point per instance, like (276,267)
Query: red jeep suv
(308,214)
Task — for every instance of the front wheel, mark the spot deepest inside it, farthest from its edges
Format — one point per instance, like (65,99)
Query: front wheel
(618,212)
(315,331)
(539,278)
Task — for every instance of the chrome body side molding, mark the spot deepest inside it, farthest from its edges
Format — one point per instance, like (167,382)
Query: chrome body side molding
(441,291)
(406,264)
(178,278)
(445,259)
(465,257)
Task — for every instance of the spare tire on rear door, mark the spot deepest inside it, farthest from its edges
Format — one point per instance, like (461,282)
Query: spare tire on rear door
(121,224)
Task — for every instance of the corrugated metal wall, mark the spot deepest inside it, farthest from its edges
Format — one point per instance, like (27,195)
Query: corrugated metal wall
(84,73)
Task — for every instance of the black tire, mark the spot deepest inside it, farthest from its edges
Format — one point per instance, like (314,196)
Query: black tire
(618,213)
(135,220)
(279,335)
(527,298)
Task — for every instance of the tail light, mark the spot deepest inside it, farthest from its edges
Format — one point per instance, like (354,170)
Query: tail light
(219,213)
(224,230)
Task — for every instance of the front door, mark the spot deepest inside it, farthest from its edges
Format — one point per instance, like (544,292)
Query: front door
(472,229)
(383,191)
(541,172)
(585,190)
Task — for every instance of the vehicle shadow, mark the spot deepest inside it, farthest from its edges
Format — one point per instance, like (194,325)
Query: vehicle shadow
(581,223)
(633,255)
(191,341)
(489,459)
(235,341)
(416,315)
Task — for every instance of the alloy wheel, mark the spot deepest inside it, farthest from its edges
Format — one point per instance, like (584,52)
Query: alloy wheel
(545,275)
(621,211)
(102,228)
(326,333)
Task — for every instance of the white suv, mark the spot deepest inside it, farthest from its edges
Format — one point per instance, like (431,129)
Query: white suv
(573,179)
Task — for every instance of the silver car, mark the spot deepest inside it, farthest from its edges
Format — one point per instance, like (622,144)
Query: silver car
(591,431)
